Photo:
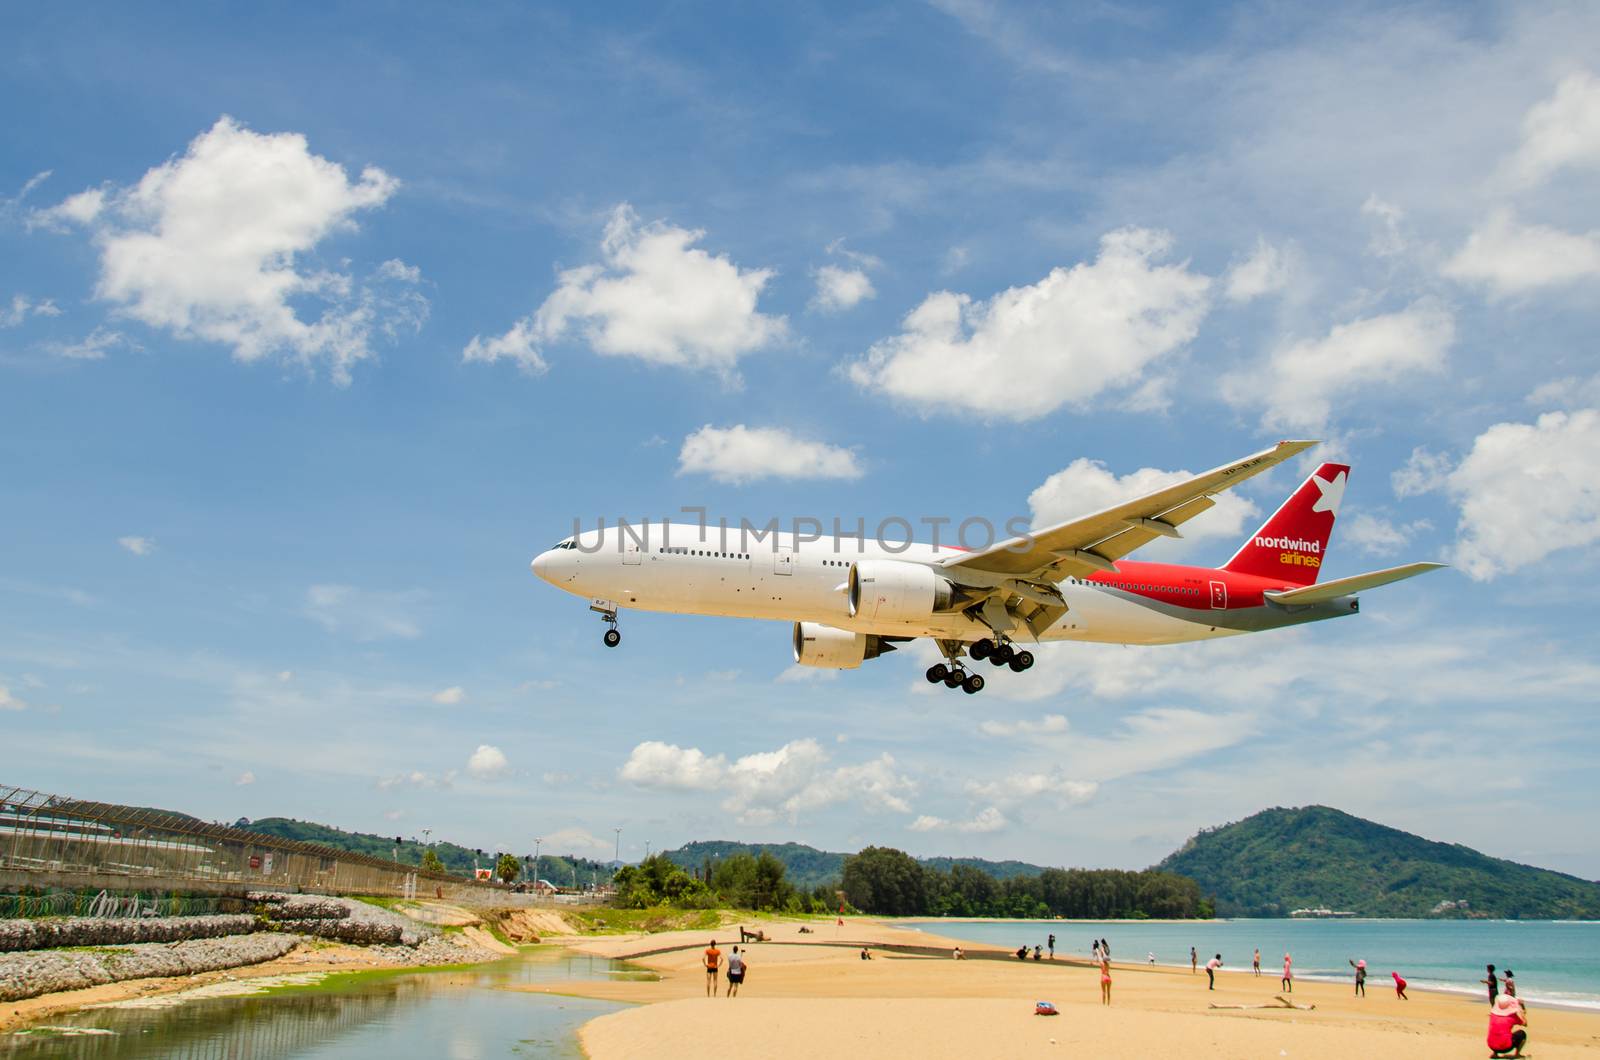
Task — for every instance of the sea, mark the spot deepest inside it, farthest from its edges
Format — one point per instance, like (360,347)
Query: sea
(1555,961)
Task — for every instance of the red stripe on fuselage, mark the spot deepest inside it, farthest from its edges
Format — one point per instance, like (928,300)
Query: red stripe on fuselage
(1190,587)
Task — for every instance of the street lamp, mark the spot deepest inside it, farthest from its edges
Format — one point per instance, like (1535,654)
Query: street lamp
(536,843)
(616,860)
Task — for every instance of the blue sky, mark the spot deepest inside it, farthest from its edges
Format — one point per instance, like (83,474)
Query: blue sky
(314,328)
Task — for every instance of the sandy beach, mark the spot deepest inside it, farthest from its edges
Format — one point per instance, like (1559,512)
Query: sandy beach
(809,995)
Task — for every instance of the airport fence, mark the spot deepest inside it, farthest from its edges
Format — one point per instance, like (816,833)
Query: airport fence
(60,844)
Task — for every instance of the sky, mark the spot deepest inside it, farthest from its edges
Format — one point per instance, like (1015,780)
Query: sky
(317,325)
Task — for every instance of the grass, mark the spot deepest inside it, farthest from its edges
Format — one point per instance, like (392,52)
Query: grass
(603,920)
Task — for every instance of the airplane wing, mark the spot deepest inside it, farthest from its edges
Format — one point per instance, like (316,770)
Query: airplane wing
(1316,594)
(1094,542)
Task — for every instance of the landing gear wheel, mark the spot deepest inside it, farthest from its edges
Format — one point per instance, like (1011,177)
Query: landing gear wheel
(953,678)
(937,672)
(1002,655)
(1016,665)
(973,684)
(982,649)
(1023,661)
(613,638)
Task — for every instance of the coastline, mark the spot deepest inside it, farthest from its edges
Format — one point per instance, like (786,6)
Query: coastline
(809,994)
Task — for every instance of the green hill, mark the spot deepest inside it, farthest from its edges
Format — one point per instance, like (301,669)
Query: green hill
(806,867)
(458,860)
(1312,857)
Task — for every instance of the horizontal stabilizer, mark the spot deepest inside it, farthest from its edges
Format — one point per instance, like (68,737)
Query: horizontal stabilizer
(1316,594)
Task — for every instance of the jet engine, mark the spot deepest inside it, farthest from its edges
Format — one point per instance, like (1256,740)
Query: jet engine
(895,591)
(828,648)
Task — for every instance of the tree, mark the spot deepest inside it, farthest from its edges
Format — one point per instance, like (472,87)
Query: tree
(508,867)
(431,862)
(885,880)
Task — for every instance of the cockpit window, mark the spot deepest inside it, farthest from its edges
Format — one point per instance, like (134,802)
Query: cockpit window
(568,543)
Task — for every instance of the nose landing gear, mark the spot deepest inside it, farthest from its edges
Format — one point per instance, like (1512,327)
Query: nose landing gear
(608,614)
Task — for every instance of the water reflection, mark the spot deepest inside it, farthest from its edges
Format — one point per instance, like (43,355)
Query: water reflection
(461,1015)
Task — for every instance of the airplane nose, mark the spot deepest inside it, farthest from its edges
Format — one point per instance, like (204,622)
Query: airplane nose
(541,565)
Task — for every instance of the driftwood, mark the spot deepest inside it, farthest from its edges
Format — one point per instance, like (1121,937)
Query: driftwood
(1282,1002)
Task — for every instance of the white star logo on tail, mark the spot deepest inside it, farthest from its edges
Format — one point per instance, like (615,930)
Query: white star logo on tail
(1332,494)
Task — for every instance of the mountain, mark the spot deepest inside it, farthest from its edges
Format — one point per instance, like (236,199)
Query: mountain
(1280,860)
(806,867)
(458,860)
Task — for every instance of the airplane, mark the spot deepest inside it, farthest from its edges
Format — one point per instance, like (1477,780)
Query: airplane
(851,599)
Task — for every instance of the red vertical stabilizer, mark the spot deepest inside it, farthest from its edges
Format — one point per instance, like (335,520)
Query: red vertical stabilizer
(1291,545)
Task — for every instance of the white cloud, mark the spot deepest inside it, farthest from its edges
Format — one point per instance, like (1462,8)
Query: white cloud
(1570,392)
(1086,486)
(11,702)
(1378,536)
(212,245)
(798,674)
(93,347)
(1511,258)
(655,296)
(417,779)
(769,786)
(79,209)
(364,614)
(1050,723)
(487,762)
(1265,271)
(1526,491)
(244,779)
(839,289)
(518,345)
(1561,131)
(139,546)
(986,820)
(1302,381)
(1020,787)
(654,764)
(22,307)
(1423,472)
(740,454)
(285,675)
(449,697)
(1388,241)
(955,259)
(1066,339)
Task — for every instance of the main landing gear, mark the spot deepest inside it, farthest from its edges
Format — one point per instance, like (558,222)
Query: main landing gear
(1003,654)
(955,677)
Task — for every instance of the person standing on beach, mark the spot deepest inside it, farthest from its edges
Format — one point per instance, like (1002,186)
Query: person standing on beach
(713,958)
(1052,944)
(1288,973)
(1492,983)
(1211,971)
(1105,949)
(1105,982)
(1399,986)
(735,971)
(1255,963)
(1194,961)
(1508,984)
(1361,977)
(1094,952)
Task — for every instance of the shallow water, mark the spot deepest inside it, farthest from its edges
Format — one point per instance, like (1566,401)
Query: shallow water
(459,1015)
(1555,961)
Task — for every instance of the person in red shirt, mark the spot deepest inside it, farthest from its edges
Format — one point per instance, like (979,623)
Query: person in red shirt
(713,958)
(1400,986)
(1506,1019)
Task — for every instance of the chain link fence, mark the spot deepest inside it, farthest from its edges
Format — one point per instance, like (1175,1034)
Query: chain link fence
(72,845)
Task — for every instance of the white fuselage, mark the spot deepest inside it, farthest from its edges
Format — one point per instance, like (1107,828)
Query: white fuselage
(686,569)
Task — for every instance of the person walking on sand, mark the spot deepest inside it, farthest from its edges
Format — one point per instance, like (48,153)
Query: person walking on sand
(1507,1017)
(1399,986)
(1051,942)
(712,960)
(1288,973)
(1255,962)
(1105,982)
(1211,971)
(1492,983)
(1508,985)
(1361,977)
(735,971)
(1194,960)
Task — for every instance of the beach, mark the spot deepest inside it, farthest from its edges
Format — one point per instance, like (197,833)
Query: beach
(809,995)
